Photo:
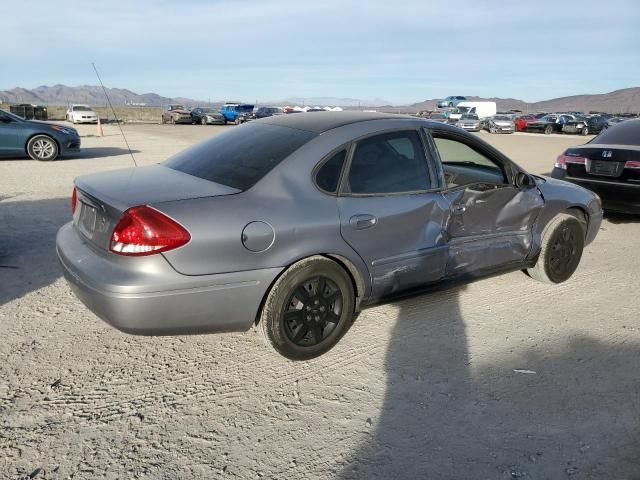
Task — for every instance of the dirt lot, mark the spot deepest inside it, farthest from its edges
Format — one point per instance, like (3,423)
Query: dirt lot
(422,388)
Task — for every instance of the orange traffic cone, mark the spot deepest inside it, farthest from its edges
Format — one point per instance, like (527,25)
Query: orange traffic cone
(99,131)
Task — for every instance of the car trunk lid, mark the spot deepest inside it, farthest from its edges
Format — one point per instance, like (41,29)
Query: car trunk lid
(103,197)
(618,163)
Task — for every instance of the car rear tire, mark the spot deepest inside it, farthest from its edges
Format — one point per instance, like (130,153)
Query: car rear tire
(308,309)
(548,130)
(42,148)
(562,246)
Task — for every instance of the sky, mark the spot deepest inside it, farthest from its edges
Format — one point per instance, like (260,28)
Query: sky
(399,51)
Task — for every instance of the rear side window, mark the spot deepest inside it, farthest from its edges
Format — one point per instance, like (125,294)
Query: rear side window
(625,133)
(241,156)
(389,163)
(328,176)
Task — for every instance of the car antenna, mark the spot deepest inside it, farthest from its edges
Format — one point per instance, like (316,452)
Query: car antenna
(114,113)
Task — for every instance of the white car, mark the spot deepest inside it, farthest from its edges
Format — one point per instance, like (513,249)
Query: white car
(81,114)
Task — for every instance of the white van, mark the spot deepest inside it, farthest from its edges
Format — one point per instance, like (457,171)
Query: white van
(482,109)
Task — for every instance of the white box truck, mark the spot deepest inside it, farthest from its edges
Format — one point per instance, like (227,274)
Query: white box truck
(482,109)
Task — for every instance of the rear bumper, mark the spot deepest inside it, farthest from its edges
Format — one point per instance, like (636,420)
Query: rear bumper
(146,296)
(615,196)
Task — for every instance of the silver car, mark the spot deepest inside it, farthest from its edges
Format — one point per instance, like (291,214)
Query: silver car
(296,222)
(500,124)
(469,122)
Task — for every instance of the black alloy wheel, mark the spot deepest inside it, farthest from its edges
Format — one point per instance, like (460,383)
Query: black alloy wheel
(313,311)
(565,251)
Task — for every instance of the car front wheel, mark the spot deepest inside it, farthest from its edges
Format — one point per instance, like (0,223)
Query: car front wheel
(562,245)
(548,130)
(309,308)
(42,148)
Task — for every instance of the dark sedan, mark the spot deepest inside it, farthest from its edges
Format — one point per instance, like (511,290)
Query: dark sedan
(548,124)
(296,222)
(608,165)
(40,140)
(207,116)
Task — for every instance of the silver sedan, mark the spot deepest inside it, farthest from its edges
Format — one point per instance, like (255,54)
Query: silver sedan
(296,222)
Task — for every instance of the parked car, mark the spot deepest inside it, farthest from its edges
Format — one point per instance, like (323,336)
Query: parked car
(264,112)
(578,124)
(608,165)
(207,116)
(499,124)
(522,121)
(236,112)
(597,123)
(548,124)
(296,222)
(81,114)
(469,122)
(40,140)
(176,114)
(451,101)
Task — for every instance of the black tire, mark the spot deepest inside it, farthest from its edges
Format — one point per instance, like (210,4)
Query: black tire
(173,120)
(203,121)
(299,321)
(42,148)
(562,245)
(162,120)
(584,131)
(548,130)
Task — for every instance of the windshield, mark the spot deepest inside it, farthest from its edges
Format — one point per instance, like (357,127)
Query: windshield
(240,157)
(81,108)
(624,133)
(548,118)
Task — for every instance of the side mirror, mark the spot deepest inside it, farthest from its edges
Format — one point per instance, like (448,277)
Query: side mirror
(524,181)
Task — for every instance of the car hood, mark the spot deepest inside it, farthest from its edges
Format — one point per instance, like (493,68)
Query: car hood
(40,123)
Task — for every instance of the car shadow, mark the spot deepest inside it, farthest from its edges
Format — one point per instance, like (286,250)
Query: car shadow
(27,244)
(97,152)
(553,411)
(621,218)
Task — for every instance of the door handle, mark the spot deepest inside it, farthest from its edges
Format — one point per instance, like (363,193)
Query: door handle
(362,221)
(459,208)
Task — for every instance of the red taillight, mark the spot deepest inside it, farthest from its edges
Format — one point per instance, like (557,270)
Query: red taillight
(563,160)
(74,201)
(632,164)
(144,231)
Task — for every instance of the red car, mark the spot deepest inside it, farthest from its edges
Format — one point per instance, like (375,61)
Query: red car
(521,122)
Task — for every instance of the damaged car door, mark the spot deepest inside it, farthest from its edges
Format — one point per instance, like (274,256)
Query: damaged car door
(493,206)
(392,213)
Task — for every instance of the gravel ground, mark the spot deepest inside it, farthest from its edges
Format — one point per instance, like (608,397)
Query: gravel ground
(500,379)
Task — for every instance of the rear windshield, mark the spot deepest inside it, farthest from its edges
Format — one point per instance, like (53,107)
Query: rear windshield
(240,156)
(624,133)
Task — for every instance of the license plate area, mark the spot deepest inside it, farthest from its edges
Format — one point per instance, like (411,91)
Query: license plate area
(603,168)
(86,219)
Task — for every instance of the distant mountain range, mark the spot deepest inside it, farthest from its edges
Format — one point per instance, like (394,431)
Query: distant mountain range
(626,100)
(620,101)
(89,94)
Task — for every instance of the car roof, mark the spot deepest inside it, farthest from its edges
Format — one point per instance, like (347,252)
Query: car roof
(319,122)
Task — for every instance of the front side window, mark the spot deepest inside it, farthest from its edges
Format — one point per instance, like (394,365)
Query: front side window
(463,165)
(389,163)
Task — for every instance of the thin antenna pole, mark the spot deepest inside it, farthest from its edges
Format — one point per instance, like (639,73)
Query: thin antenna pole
(114,114)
